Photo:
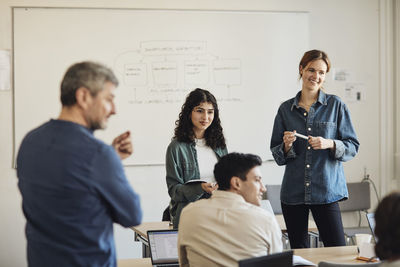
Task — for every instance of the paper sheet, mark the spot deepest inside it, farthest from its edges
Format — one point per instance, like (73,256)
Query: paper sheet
(298,260)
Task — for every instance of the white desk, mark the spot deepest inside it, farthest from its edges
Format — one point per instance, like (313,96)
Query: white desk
(346,254)
(140,231)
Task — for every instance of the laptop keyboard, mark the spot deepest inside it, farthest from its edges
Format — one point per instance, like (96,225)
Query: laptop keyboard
(167,265)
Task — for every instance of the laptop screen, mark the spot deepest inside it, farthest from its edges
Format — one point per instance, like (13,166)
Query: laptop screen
(163,246)
(371,223)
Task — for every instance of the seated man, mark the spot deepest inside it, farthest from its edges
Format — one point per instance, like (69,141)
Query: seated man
(229,226)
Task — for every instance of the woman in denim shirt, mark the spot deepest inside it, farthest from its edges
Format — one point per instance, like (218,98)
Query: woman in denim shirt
(314,177)
(197,145)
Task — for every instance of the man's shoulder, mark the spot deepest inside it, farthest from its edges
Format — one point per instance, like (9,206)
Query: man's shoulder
(67,136)
(242,208)
(205,202)
(256,211)
(38,130)
(196,208)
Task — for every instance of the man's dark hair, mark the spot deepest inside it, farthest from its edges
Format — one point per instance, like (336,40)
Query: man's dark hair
(86,74)
(234,164)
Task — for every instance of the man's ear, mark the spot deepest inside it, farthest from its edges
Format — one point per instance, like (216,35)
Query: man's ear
(235,183)
(83,97)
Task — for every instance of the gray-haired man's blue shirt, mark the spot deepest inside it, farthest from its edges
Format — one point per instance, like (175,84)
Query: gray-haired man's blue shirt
(73,188)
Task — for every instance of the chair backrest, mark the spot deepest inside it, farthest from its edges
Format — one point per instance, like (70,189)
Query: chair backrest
(273,194)
(359,197)
(166,215)
(331,264)
(265,204)
(283,259)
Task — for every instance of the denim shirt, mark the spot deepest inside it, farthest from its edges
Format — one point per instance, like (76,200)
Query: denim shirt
(314,176)
(182,166)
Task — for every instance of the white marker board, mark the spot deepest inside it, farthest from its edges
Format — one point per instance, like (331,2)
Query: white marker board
(248,60)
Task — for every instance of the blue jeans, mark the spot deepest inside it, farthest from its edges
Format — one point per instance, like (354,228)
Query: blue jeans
(327,218)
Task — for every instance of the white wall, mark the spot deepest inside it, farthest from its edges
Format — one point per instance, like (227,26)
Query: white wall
(397,87)
(349,30)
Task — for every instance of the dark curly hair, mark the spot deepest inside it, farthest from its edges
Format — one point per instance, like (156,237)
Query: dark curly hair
(184,126)
(387,230)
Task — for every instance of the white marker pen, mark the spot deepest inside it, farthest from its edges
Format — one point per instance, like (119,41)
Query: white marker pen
(301,136)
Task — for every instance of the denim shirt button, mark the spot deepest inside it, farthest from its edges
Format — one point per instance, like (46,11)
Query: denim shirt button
(305,113)
(308,166)
(309,129)
(307,184)
(308,147)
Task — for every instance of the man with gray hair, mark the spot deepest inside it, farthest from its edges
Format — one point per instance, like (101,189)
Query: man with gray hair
(73,185)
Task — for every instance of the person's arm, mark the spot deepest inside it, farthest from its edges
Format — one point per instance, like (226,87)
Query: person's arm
(346,146)
(109,179)
(281,151)
(177,189)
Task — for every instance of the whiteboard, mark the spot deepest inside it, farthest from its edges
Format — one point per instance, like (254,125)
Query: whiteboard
(248,60)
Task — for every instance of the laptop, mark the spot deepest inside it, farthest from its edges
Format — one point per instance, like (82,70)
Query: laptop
(283,259)
(371,223)
(163,246)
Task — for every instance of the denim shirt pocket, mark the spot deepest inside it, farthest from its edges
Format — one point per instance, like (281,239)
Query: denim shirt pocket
(326,129)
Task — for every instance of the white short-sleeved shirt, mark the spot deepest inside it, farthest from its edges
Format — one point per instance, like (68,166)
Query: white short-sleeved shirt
(206,159)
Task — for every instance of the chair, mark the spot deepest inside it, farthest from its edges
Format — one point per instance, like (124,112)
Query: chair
(359,201)
(273,200)
(166,216)
(266,204)
(273,194)
(283,259)
(331,264)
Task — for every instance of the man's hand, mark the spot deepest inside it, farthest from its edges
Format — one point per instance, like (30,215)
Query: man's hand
(123,145)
